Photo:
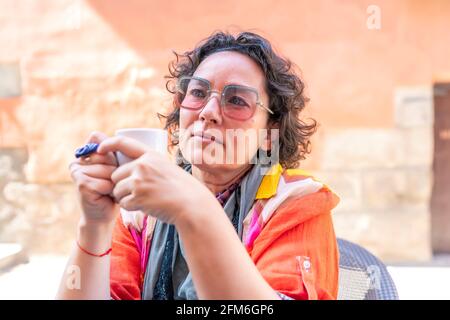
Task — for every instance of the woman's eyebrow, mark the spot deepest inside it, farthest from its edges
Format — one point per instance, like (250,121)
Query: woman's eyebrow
(241,82)
(244,85)
(235,82)
(232,82)
(201,78)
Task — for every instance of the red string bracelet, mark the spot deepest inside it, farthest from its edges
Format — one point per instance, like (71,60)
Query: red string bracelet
(93,254)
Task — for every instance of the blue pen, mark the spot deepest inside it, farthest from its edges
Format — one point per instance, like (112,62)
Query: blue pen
(86,150)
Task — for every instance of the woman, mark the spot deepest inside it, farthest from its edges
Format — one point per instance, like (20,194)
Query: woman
(210,229)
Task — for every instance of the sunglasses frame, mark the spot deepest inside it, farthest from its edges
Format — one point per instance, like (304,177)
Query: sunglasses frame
(210,91)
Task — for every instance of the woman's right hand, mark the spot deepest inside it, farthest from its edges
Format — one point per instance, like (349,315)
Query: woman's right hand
(92,176)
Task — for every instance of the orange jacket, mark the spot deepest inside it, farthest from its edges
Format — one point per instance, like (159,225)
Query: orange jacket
(294,247)
(297,252)
(125,271)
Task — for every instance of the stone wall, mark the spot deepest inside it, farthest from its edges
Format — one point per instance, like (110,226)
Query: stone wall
(41,217)
(384,179)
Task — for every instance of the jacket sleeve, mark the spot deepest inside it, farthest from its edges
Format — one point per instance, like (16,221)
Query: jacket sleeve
(125,265)
(299,260)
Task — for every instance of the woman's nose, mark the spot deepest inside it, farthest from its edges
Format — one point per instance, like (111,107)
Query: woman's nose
(211,111)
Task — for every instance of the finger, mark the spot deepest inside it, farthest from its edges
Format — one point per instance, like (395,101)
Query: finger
(74,165)
(99,171)
(87,184)
(123,172)
(96,158)
(122,189)
(97,137)
(128,203)
(128,146)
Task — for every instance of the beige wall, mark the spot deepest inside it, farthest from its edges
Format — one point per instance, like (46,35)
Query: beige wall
(99,65)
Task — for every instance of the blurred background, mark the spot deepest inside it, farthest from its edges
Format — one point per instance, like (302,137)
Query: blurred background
(377,73)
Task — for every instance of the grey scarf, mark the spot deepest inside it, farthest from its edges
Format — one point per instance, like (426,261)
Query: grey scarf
(240,202)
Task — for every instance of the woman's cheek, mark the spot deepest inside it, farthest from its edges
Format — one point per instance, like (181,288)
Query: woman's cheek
(240,147)
(187,118)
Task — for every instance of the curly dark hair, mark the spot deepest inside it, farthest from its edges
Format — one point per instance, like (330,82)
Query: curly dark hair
(283,86)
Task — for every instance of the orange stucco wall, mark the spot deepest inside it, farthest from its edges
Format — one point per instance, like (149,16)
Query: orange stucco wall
(68,51)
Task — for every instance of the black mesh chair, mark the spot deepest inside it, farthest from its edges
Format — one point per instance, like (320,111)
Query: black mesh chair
(362,276)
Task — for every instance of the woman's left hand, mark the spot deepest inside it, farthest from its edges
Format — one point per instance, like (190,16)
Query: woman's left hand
(153,184)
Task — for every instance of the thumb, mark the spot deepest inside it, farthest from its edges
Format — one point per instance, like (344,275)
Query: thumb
(128,146)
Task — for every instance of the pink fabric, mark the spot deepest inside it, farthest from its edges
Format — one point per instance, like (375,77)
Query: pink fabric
(253,231)
(142,246)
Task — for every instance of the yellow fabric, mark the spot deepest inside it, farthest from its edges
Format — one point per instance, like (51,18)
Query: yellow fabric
(298,172)
(301,172)
(269,183)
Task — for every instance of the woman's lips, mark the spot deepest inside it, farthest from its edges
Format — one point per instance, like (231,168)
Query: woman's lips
(206,137)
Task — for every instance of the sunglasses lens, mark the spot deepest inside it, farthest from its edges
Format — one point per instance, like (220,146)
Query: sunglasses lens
(192,93)
(239,102)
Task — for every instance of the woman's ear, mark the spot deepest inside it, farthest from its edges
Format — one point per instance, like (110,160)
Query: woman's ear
(271,136)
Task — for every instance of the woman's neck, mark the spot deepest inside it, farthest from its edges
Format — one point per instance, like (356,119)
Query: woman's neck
(217,181)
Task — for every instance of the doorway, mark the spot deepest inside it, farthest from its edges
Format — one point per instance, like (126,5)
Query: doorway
(440,197)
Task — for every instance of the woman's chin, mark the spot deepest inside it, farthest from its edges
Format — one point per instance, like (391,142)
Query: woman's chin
(209,162)
(217,167)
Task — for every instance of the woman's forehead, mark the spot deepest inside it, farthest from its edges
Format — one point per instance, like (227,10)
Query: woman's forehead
(230,67)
